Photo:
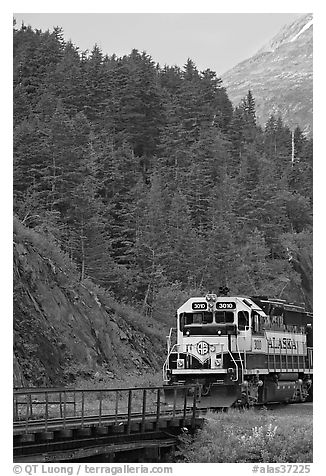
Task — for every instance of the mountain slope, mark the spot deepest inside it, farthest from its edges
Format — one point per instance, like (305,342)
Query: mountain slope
(65,329)
(279,76)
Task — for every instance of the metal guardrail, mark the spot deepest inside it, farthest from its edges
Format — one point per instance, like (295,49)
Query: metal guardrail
(65,408)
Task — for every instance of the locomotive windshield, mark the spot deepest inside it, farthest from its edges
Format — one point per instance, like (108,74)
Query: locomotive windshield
(207,317)
(197,318)
(224,317)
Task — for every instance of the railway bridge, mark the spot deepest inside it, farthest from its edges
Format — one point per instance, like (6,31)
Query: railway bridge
(130,424)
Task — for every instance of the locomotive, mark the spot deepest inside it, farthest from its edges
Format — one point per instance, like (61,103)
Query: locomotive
(240,351)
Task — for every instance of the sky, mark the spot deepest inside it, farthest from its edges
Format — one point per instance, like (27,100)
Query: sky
(217,41)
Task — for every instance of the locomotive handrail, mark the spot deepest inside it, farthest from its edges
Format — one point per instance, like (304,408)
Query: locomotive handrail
(235,365)
(240,359)
(169,338)
(166,363)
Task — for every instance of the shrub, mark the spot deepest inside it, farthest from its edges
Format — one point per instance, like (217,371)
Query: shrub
(250,436)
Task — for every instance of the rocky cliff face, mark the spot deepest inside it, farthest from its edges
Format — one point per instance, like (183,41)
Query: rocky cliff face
(65,329)
(279,76)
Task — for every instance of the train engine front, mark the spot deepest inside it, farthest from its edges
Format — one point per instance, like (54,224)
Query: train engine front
(206,349)
(239,350)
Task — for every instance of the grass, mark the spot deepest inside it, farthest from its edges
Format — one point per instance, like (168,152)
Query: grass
(250,436)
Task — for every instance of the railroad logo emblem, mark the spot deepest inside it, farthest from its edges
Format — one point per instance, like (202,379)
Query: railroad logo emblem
(202,348)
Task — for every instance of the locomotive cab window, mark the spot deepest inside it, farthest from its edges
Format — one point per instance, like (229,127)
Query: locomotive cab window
(197,318)
(243,320)
(256,322)
(224,317)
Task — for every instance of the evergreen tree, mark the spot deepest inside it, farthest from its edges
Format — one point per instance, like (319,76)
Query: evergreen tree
(118,176)
(278,144)
(209,157)
(189,101)
(220,238)
(174,156)
(67,81)
(182,255)
(31,156)
(300,174)
(150,247)
(252,264)
(149,179)
(170,79)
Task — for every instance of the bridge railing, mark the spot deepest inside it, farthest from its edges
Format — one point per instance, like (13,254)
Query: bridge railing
(99,406)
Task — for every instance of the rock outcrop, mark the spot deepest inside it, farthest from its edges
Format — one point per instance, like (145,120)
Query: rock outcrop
(65,329)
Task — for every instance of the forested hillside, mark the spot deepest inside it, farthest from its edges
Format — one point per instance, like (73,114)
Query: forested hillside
(151,182)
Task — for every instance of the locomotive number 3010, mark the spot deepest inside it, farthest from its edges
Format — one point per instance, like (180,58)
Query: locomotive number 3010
(226,305)
(199,306)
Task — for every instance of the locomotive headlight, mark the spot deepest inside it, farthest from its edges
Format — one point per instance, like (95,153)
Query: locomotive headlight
(210,305)
(180,363)
(211,297)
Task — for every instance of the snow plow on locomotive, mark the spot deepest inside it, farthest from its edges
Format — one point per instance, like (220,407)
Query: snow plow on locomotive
(240,351)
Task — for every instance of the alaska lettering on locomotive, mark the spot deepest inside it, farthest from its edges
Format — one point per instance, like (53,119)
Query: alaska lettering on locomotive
(284,343)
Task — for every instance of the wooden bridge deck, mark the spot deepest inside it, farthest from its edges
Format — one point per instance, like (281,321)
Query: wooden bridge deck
(68,424)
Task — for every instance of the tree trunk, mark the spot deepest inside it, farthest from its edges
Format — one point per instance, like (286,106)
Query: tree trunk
(82,242)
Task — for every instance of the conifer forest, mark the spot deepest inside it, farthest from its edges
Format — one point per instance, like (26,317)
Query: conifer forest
(152,182)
